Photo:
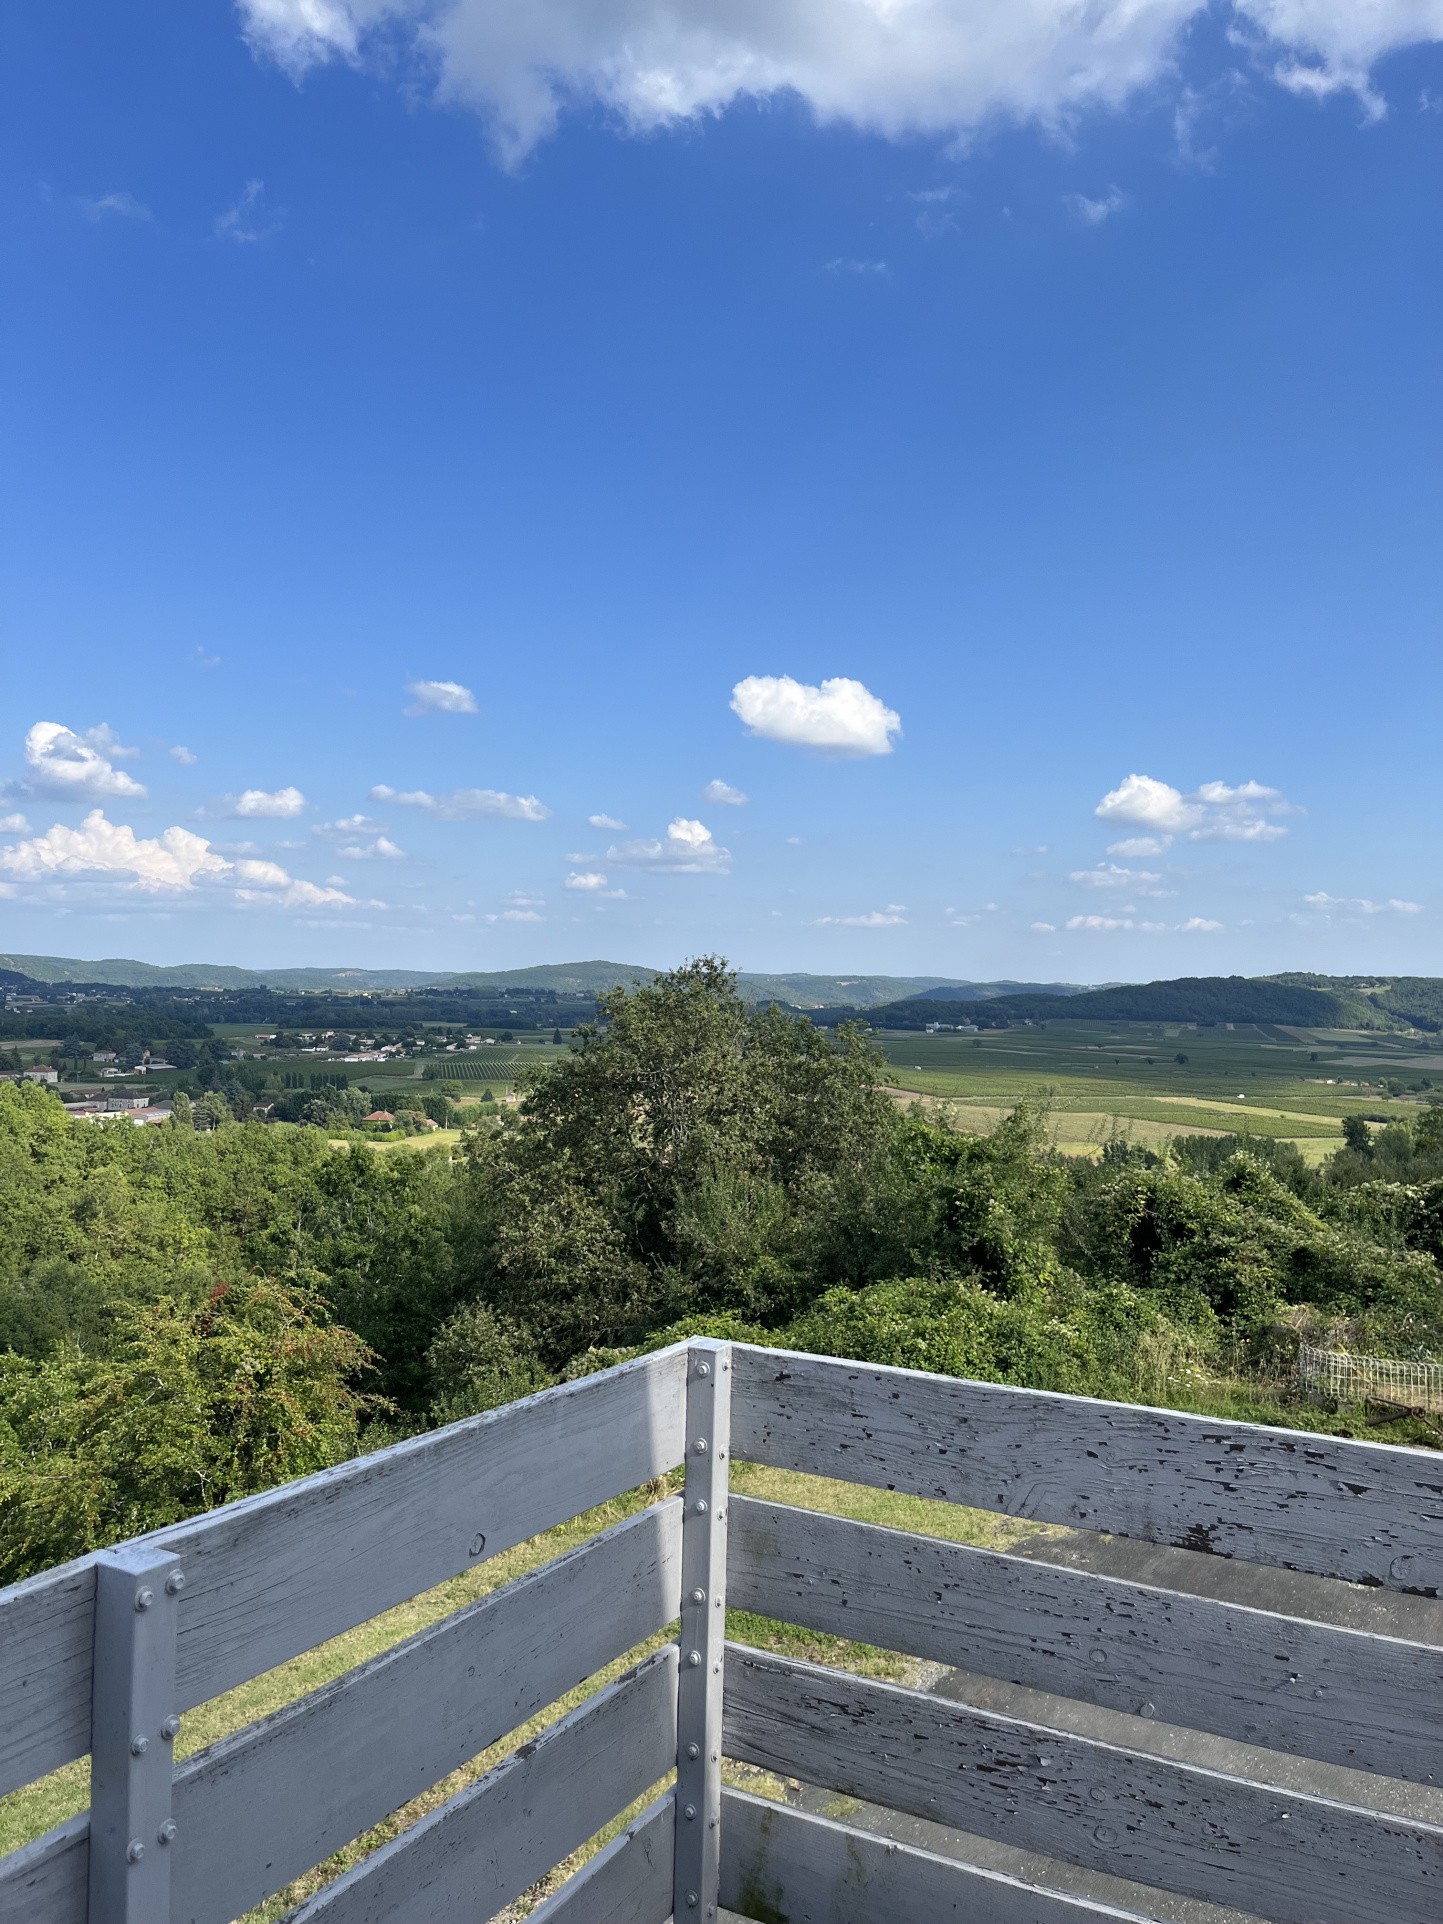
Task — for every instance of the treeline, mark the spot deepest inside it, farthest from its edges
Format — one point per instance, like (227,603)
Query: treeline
(186,1317)
(1204,999)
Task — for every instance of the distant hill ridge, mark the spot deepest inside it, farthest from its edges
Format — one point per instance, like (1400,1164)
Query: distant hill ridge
(1296,1000)
(801,991)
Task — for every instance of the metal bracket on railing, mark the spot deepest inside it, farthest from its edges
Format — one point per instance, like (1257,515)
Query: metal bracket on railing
(133,1728)
(703,1630)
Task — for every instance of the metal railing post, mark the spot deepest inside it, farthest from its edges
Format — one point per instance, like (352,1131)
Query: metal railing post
(133,1728)
(703,1630)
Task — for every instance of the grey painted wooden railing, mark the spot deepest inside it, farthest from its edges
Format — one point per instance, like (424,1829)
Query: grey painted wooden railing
(105,1656)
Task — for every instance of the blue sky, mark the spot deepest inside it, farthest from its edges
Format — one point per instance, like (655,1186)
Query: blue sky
(450,425)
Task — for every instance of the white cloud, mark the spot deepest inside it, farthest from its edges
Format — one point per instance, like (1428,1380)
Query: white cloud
(174,860)
(13,825)
(605,821)
(517,915)
(76,768)
(123,206)
(586,879)
(689,849)
(1140,847)
(1107,875)
(302,895)
(261,875)
(1044,928)
(1198,925)
(1194,925)
(440,698)
(1327,904)
(724,795)
(466,804)
(841,714)
(946,67)
(891,917)
(261,804)
(357,838)
(1092,213)
(1212,813)
(185,756)
(247,220)
(1099,922)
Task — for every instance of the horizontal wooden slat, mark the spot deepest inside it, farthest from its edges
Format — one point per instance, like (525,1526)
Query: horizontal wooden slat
(788,1864)
(46,1882)
(321,1771)
(627,1883)
(1369,1512)
(496,1838)
(1289,1858)
(273,1575)
(1343,1696)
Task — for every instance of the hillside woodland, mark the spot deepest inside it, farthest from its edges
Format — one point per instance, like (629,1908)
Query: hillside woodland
(188,1317)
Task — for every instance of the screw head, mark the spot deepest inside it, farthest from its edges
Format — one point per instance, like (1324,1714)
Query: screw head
(134,1851)
(703,1369)
(175,1583)
(701,1507)
(698,1596)
(700,1446)
(692,1900)
(693,1657)
(170,1729)
(139,1746)
(689,1812)
(693,1751)
(144,1599)
(166,1833)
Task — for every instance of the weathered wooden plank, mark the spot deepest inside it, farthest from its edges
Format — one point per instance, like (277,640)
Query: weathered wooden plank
(1279,1855)
(324,1769)
(46,1882)
(1369,1512)
(780,1863)
(1343,1696)
(272,1575)
(494,1839)
(47,1631)
(627,1883)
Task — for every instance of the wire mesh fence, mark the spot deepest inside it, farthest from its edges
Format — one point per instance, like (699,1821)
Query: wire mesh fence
(1371,1379)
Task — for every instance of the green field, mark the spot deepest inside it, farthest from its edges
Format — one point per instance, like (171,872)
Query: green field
(1099,1079)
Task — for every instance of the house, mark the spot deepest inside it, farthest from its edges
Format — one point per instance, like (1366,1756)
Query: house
(104,1055)
(383,1117)
(42,1075)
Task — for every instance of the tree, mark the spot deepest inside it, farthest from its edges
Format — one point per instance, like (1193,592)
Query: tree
(181,1116)
(1358,1136)
(203,1403)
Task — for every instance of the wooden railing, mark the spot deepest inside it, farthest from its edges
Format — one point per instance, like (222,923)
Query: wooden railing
(105,1655)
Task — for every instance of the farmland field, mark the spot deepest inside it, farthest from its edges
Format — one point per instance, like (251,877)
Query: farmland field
(1100,1079)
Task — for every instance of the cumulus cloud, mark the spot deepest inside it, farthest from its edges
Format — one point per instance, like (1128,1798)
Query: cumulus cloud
(1044,928)
(606,821)
(1108,875)
(724,795)
(586,879)
(185,756)
(1195,924)
(891,917)
(77,768)
(466,804)
(841,714)
(517,915)
(261,805)
(1140,847)
(13,825)
(946,67)
(174,860)
(1212,813)
(440,698)
(689,848)
(1327,904)
(356,838)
